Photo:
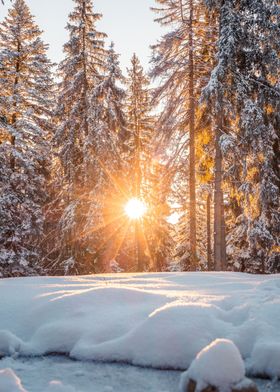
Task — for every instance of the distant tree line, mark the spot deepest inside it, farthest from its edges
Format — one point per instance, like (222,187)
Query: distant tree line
(79,140)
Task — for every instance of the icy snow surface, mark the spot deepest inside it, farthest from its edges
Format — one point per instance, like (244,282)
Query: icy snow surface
(9,382)
(37,375)
(219,364)
(155,320)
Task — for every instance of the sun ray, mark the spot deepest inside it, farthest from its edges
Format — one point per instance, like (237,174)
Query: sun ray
(135,208)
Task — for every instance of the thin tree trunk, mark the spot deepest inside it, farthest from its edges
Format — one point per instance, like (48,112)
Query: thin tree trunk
(139,253)
(85,97)
(191,110)
(14,116)
(209,247)
(219,222)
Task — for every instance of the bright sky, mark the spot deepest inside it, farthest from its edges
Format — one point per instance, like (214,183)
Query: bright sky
(129,23)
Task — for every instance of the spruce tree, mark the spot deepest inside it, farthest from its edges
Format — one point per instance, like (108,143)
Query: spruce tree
(244,96)
(148,242)
(111,96)
(25,107)
(78,140)
(183,59)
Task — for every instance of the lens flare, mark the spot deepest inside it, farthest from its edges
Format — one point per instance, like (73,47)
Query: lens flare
(135,208)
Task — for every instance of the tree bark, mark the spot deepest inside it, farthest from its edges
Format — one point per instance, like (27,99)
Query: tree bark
(14,115)
(219,221)
(209,247)
(191,110)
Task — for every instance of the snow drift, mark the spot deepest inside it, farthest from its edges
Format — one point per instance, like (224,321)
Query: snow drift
(156,320)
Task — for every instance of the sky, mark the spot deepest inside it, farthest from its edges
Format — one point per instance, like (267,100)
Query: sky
(129,23)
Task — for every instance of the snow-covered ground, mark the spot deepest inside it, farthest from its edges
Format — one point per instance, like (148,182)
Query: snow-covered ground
(153,320)
(36,374)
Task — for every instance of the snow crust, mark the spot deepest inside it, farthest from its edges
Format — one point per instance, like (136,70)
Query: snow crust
(155,320)
(219,364)
(9,382)
(58,386)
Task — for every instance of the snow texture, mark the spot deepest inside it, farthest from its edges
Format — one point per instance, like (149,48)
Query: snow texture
(37,373)
(155,320)
(57,386)
(219,364)
(9,382)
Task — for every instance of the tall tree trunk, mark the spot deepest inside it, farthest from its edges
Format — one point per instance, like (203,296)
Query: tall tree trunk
(209,247)
(192,179)
(14,116)
(191,110)
(85,95)
(139,254)
(219,221)
(138,225)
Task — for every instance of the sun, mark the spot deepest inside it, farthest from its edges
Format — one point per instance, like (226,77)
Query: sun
(135,208)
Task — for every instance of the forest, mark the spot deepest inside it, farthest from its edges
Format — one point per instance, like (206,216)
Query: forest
(172,169)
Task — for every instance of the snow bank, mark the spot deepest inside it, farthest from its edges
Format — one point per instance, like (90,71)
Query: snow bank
(219,364)
(9,344)
(156,320)
(9,382)
(265,359)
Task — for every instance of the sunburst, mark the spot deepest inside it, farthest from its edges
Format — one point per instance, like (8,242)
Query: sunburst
(135,208)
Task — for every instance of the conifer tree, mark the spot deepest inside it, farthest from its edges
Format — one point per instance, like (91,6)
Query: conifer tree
(183,60)
(147,241)
(78,139)
(25,107)
(244,96)
(113,128)
(140,127)
(158,231)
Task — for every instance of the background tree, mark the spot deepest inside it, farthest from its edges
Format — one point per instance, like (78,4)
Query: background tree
(25,107)
(77,140)
(243,92)
(183,59)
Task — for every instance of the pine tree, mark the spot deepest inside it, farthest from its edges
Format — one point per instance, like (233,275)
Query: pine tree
(245,97)
(113,128)
(25,107)
(78,140)
(158,231)
(183,60)
(140,127)
(146,243)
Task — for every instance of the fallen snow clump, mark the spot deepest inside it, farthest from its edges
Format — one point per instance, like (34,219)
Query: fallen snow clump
(219,364)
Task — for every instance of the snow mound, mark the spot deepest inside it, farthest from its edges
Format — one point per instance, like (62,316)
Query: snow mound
(9,382)
(266,359)
(219,364)
(169,338)
(156,320)
(9,344)
(57,386)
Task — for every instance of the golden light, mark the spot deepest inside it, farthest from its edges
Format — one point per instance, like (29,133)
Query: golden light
(135,208)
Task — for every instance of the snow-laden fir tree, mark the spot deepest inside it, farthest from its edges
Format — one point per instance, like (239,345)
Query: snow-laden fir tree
(25,107)
(140,127)
(158,231)
(244,96)
(78,139)
(111,119)
(147,240)
(183,59)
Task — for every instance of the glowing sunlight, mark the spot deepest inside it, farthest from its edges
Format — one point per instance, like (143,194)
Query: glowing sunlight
(135,208)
